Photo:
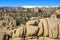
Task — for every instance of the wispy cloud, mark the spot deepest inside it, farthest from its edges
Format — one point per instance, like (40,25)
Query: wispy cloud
(33,6)
(38,6)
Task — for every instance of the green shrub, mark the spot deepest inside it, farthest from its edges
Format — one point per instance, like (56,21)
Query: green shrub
(58,15)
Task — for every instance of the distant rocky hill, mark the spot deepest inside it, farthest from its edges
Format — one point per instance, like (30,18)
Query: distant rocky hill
(51,10)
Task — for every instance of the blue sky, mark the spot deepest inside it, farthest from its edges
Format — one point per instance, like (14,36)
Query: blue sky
(29,2)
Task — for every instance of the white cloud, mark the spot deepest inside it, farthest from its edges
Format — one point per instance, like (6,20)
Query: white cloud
(38,6)
(28,6)
(33,6)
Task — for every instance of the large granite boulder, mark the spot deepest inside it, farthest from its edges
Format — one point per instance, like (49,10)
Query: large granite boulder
(53,28)
(32,28)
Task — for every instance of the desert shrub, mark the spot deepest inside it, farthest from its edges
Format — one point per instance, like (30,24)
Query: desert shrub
(58,15)
(17,22)
(48,15)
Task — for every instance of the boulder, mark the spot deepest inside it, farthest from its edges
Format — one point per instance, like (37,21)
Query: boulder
(18,32)
(40,25)
(53,29)
(1,36)
(43,27)
(32,31)
(31,28)
(59,29)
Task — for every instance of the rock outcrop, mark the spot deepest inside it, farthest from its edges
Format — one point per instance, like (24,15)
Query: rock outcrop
(46,27)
